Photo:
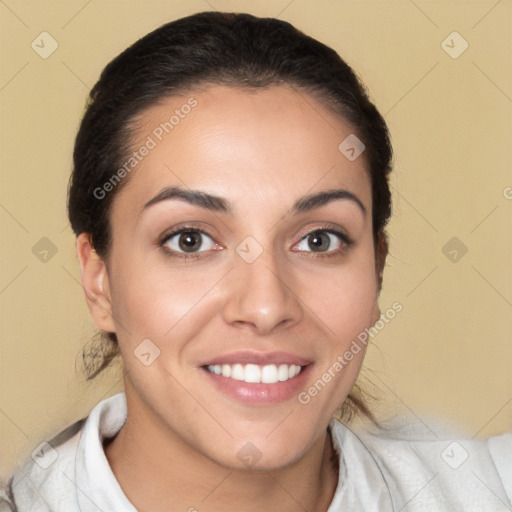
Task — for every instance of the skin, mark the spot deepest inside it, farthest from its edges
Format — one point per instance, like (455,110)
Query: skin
(260,151)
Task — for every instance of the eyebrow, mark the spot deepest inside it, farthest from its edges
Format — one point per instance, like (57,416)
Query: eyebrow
(219,204)
(194,197)
(313,201)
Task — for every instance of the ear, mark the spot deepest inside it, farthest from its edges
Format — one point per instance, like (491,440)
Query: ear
(375,314)
(381,252)
(95,283)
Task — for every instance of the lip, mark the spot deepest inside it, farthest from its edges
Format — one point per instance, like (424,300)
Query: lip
(259,358)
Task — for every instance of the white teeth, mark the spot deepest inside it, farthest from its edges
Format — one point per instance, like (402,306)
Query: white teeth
(283,373)
(237,372)
(269,374)
(253,373)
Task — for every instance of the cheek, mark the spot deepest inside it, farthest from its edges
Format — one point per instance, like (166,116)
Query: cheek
(345,304)
(154,300)
(345,299)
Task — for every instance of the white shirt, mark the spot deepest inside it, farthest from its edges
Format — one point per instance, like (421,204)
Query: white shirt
(376,473)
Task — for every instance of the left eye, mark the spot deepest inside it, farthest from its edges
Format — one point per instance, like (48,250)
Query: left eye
(189,242)
(320,241)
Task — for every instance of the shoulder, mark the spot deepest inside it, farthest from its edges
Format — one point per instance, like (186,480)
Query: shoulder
(46,482)
(425,471)
(49,467)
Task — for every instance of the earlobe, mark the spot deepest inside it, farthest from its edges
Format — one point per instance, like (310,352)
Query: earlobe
(95,283)
(381,252)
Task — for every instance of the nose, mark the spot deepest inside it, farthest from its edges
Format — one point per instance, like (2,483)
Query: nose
(260,296)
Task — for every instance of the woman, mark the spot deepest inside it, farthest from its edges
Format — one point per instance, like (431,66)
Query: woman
(230,197)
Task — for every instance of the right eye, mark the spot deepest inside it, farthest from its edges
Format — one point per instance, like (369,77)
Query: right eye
(187,241)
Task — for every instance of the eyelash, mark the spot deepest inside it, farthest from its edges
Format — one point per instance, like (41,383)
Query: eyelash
(346,241)
(183,255)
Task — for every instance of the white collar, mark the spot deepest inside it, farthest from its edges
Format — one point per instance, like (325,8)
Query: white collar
(360,486)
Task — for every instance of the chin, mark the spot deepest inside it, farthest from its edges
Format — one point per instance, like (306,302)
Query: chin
(263,452)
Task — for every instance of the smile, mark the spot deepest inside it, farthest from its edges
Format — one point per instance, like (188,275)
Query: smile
(253,373)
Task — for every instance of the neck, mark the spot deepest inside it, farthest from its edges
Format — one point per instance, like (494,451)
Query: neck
(157,470)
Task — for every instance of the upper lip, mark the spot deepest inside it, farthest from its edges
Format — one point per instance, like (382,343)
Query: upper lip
(259,358)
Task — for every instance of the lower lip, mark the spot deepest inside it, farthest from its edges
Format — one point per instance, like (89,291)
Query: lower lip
(253,393)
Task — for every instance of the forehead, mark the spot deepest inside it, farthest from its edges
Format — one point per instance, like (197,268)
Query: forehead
(244,143)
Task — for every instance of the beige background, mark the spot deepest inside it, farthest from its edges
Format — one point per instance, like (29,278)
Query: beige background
(446,355)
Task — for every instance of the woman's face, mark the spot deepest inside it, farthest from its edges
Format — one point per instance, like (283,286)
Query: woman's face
(242,244)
